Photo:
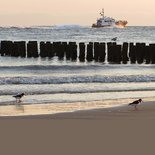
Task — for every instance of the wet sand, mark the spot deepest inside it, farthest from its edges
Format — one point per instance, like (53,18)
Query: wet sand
(146,110)
(119,131)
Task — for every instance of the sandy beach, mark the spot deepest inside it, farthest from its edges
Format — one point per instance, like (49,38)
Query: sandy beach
(69,71)
(119,130)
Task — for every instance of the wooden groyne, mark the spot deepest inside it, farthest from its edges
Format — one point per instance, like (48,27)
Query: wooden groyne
(93,51)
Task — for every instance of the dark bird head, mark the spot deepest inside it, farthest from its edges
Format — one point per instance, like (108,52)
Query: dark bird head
(22,94)
(140,100)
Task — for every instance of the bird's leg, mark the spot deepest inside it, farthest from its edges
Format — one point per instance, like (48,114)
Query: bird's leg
(136,107)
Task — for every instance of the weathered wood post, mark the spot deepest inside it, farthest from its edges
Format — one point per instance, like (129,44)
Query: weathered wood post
(68,52)
(49,49)
(57,48)
(152,53)
(89,56)
(61,52)
(102,52)
(96,51)
(6,48)
(147,54)
(109,52)
(64,48)
(46,49)
(114,52)
(19,49)
(32,49)
(140,51)
(22,48)
(3,47)
(43,49)
(132,53)
(125,57)
(15,52)
(117,56)
(82,52)
(73,51)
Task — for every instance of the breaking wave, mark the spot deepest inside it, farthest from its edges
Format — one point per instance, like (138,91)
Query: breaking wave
(76,79)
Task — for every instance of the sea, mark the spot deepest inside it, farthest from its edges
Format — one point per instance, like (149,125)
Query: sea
(49,80)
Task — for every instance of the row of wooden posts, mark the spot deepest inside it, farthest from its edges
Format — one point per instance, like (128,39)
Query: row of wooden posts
(97,51)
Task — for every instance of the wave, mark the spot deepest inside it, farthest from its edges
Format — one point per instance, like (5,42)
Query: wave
(76,67)
(77,88)
(76,79)
(54,67)
(69,26)
(40,92)
(65,26)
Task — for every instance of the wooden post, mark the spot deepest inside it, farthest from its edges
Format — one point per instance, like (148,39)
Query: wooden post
(147,54)
(82,52)
(140,51)
(22,48)
(15,52)
(73,51)
(125,57)
(61,52)
(132,53)
(102,53)
(19,49)
(68,52)
(42,49)
(96,51)
(109,52)
(89,56)
(152,53)
(46,49)
(117,57)
(32,49)
(49,49)
(64,48)
(6,48)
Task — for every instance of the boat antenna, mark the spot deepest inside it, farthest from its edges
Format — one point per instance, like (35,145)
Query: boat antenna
(102,13)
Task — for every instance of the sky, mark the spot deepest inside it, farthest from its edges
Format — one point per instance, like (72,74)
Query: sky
(80,12)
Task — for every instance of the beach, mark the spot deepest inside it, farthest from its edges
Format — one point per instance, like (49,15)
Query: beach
(117,130)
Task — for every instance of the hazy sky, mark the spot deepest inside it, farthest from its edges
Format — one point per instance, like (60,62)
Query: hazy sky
(81,12)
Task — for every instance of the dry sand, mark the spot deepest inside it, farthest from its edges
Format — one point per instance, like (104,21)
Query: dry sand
(110,131)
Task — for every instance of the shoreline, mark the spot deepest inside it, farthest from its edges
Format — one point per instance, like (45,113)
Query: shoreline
(54,111)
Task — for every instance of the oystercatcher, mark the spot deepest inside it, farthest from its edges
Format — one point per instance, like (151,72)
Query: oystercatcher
(135,103)
(18,97)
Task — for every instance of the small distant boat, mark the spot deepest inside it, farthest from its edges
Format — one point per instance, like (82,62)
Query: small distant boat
(121,23)
(108,22)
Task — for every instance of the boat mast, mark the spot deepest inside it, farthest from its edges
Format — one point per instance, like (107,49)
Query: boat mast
(102,13)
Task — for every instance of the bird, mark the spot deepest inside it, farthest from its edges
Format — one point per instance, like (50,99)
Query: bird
(135,103)
(18,97)
(114,39)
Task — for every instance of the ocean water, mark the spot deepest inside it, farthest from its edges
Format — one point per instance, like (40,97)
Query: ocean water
(54,81)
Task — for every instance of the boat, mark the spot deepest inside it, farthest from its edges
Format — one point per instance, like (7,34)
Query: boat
(108,22)
(121,23)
